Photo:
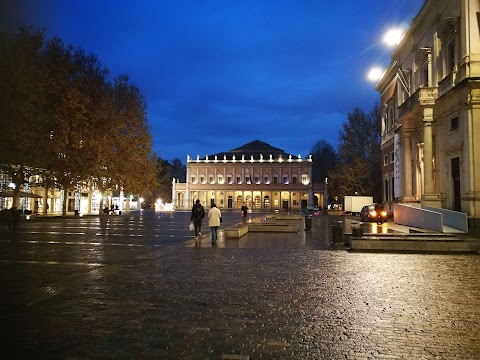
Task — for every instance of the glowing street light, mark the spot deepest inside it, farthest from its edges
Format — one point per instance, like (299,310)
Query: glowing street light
(375,74)
(393,37)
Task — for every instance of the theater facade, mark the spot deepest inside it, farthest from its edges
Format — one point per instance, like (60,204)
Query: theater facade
(258,174)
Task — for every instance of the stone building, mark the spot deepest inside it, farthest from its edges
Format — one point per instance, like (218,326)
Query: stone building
(262,176)
(430,96)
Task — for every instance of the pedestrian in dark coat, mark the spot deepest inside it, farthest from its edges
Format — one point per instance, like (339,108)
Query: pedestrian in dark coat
(198,213)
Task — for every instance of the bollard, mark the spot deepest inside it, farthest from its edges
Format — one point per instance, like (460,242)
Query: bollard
(308,222)
(337,234)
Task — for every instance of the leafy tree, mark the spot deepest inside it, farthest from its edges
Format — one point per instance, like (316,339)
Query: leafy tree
(324,159)
(165,174)
(21,96)
(358,171)
(62,118)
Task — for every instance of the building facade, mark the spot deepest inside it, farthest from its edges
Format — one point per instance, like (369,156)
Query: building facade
(262,176)
(430,98)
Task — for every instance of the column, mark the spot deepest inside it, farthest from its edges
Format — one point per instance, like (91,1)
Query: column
(187,188)
(427,150)
(407,166)
(429,197)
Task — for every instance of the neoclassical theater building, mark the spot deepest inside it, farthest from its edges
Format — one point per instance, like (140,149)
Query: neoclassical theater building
(262,176)
(430,96)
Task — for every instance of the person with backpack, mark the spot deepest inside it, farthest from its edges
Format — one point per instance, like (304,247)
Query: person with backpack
(198,213)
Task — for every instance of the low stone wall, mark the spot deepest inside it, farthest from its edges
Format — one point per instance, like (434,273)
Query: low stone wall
(235,231)
(272,223)
(426,242)
(272,227)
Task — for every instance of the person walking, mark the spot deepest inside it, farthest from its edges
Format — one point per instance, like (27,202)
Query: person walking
(198,213)
(214,221)
(244,211)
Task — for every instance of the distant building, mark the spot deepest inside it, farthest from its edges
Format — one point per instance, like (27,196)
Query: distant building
(430,98)
(262,176)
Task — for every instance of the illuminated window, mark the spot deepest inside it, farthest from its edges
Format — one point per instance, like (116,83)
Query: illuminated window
(305,179)
(211,179)
(193,179)
(220,180)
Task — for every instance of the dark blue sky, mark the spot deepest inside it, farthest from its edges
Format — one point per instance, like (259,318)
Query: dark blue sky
(218,74)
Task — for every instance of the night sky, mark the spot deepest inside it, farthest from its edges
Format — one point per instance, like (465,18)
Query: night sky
(218,74)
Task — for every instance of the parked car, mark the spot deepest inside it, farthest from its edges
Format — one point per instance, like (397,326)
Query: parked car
(374,212)
(313,208)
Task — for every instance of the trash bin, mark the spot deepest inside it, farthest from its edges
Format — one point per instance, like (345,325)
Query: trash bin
(308,222)
(337,233)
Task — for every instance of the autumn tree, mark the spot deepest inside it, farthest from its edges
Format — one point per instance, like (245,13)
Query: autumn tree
(61,117)
(165,174)
(21,99)
(324,159)
(358,170)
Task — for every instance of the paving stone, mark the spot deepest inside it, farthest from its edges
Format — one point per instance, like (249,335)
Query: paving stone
(141,290)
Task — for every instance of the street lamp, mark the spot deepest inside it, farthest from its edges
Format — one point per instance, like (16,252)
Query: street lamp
(375,74)
(393,37)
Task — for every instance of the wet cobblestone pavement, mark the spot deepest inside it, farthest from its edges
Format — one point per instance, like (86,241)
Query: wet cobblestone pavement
(139,287)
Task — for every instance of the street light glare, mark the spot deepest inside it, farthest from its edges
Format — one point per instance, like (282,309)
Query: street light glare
(375,74)
(393,37)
